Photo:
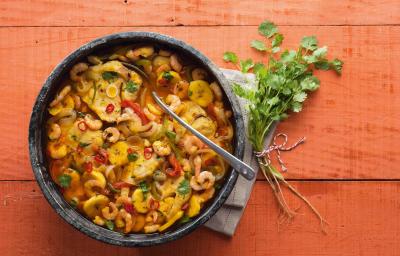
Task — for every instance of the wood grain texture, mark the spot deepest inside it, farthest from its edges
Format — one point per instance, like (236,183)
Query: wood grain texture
(363,220)
(351,123)
(196,12)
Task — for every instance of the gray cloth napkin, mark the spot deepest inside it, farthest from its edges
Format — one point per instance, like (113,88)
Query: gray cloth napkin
(227,218)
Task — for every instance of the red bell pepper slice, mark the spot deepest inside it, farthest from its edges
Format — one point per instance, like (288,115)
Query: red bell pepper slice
(136,108)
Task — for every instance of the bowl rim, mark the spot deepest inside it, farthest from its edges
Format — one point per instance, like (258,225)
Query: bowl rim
(76,219)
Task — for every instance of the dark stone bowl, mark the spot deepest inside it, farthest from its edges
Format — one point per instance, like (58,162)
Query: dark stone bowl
(37,140)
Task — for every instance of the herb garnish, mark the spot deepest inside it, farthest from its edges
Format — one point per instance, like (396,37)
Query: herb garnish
(110,224)
(64,180)
(83,145)
(167,75)
(131,86)
(184,187)
(185,219)
(282,86)
(109,75)
(144,187)
(132,157)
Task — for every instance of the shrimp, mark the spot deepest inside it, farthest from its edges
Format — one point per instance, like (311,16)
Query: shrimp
(66,116)
(149,115)
(77,101)
(61,95)
(163,68)
(76,70)
(152,216)
(175,64)
(128,115)
(216,90)
(151,228)
(161,148)
(92,123)
(54,131)
(173,101)
(110,215)
(180,89)
(197,165)
(208,193)
(111,134)
(155,128)
(205,180)
(127,218)
(123,200)
(191,144)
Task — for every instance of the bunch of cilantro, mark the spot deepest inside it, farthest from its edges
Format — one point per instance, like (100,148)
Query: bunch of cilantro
(283,84)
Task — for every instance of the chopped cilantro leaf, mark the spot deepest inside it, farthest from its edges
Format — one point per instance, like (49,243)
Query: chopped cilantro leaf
(131,86)
(185,219)
(83,145)
(309,43)
(184,187)
(258,45)
(132,157)
(246,65)
(64,180)
(230,57)
(109,75)
(267,29)
(110,224)
(168,76)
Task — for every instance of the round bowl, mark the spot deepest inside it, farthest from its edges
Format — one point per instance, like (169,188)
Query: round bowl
(37,141)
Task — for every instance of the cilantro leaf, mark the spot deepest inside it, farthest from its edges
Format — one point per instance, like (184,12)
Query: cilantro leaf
(230,57)
(132,157)
(83,145)
(277,41)
(322,64)
(275,49)
(184,187)
(64,180)
(185,219)
(110,224)
(243,93)
(296,107)
(310,83)
(167,75)
(109,75)
(300,96)
(143,186)
(288,56)
(309,43)
(258,45)
(170,135)
(246,65)
(131,86)
(337,65)
(267,29)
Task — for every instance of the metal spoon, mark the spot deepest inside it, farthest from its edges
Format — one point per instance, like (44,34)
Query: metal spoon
(242,168)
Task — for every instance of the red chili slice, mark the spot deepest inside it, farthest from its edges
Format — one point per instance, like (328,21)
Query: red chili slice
(121,184)
(88,166)
(110,108)
(172,172)
(130,151)
(148,153)
(82,126)
(154,205)
(129,208)
(184,206)
(136,108)
(100,159)
(175,164)
(79,149)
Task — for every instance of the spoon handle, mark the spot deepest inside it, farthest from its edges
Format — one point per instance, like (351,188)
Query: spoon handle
(242,168)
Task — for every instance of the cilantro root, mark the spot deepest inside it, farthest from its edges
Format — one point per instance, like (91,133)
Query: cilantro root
(282,86)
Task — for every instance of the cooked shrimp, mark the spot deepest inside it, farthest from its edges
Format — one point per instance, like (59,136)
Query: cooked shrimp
(205,180)
(191,144)
(175,64)
(208,193)
(66,116)
(151,228)
(54,131)
(155,129)
(128,115)
(111,134)
(163,68)
(110,215)
(127,218)
(123,200)
(77,101)
(152,216)
(76,71)
(162,148)
(149,115)
(61,95)
(216,90)
(173,101)
(197,165)
(92,123)
(180,89)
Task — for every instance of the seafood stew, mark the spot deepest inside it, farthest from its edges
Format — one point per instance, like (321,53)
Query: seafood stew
(118,158)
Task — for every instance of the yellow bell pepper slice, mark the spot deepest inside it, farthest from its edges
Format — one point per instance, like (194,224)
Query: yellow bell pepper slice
(169,223)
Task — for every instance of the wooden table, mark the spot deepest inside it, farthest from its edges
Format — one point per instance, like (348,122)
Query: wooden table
(348,167)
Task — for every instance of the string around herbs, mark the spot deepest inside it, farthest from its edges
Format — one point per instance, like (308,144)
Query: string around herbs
(282,85)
